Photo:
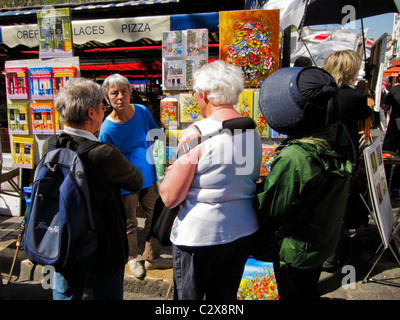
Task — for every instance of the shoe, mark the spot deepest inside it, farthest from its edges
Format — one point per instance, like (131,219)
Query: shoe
(137,268)
(160,263)
(330,266)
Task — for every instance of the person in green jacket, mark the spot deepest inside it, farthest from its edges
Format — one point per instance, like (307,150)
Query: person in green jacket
(305,193)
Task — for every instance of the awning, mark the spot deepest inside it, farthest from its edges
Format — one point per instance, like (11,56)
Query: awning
(392,72)
(132,3)
(108,30)
(134,66)
(103,30)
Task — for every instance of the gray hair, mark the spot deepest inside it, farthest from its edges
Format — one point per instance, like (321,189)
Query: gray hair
(222,82)
(115,80)
(75,99)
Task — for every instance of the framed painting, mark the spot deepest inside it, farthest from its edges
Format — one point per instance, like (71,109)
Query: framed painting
(249,39)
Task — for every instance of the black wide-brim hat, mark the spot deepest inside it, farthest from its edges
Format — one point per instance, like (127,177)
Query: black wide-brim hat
(297,100)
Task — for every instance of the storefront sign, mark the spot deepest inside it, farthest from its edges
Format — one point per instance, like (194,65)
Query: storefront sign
(127,29)
(104,30)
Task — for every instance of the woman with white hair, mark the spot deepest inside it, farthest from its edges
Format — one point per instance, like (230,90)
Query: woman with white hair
(212,233)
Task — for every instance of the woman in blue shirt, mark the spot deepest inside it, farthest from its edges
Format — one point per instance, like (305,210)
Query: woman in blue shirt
(127,127)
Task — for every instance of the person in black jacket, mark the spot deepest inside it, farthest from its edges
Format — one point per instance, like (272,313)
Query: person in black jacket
(80,104)
(391,141)
(344,67)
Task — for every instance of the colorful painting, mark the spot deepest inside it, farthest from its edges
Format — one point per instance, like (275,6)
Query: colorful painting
(268,155)
(245,104)
(258,281)
(189,109)
(172,44)
(192,65)
(169,112)
(249,39)
(262,126)
(197,42)
(173,74)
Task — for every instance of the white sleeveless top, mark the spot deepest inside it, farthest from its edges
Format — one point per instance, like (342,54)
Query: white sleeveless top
(219,206)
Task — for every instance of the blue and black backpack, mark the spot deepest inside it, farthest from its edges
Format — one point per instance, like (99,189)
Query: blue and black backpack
(59,226)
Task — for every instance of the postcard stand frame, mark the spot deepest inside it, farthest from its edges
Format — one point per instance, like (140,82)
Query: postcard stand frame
(388,237)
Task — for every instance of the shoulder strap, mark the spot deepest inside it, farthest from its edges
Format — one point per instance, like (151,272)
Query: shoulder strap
(64,140)
(234,126)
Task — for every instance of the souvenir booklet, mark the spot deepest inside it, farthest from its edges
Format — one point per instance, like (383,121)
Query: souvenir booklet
(42,114)
(41,83)
(23,155)
(17,83)
(18,118)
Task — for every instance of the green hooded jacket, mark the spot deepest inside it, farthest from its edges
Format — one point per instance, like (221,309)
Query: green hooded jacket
(306,191)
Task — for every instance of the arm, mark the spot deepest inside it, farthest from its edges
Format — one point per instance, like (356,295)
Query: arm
(179,176)
(118,170)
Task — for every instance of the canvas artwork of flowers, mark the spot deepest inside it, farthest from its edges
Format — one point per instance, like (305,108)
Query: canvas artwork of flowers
(262,126)
(258,281)
(249,39)
(268,155)
(189,109)
(169,112)
(245,104)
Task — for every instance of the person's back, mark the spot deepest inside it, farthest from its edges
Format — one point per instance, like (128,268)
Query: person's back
(219,204)
(393,99)
(80,104)
(314,175)
(305,194)
(106,172)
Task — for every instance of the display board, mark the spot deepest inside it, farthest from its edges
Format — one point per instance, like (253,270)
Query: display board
(379,191)
(31,88)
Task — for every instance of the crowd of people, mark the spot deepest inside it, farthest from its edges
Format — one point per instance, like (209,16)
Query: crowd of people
(305,195)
